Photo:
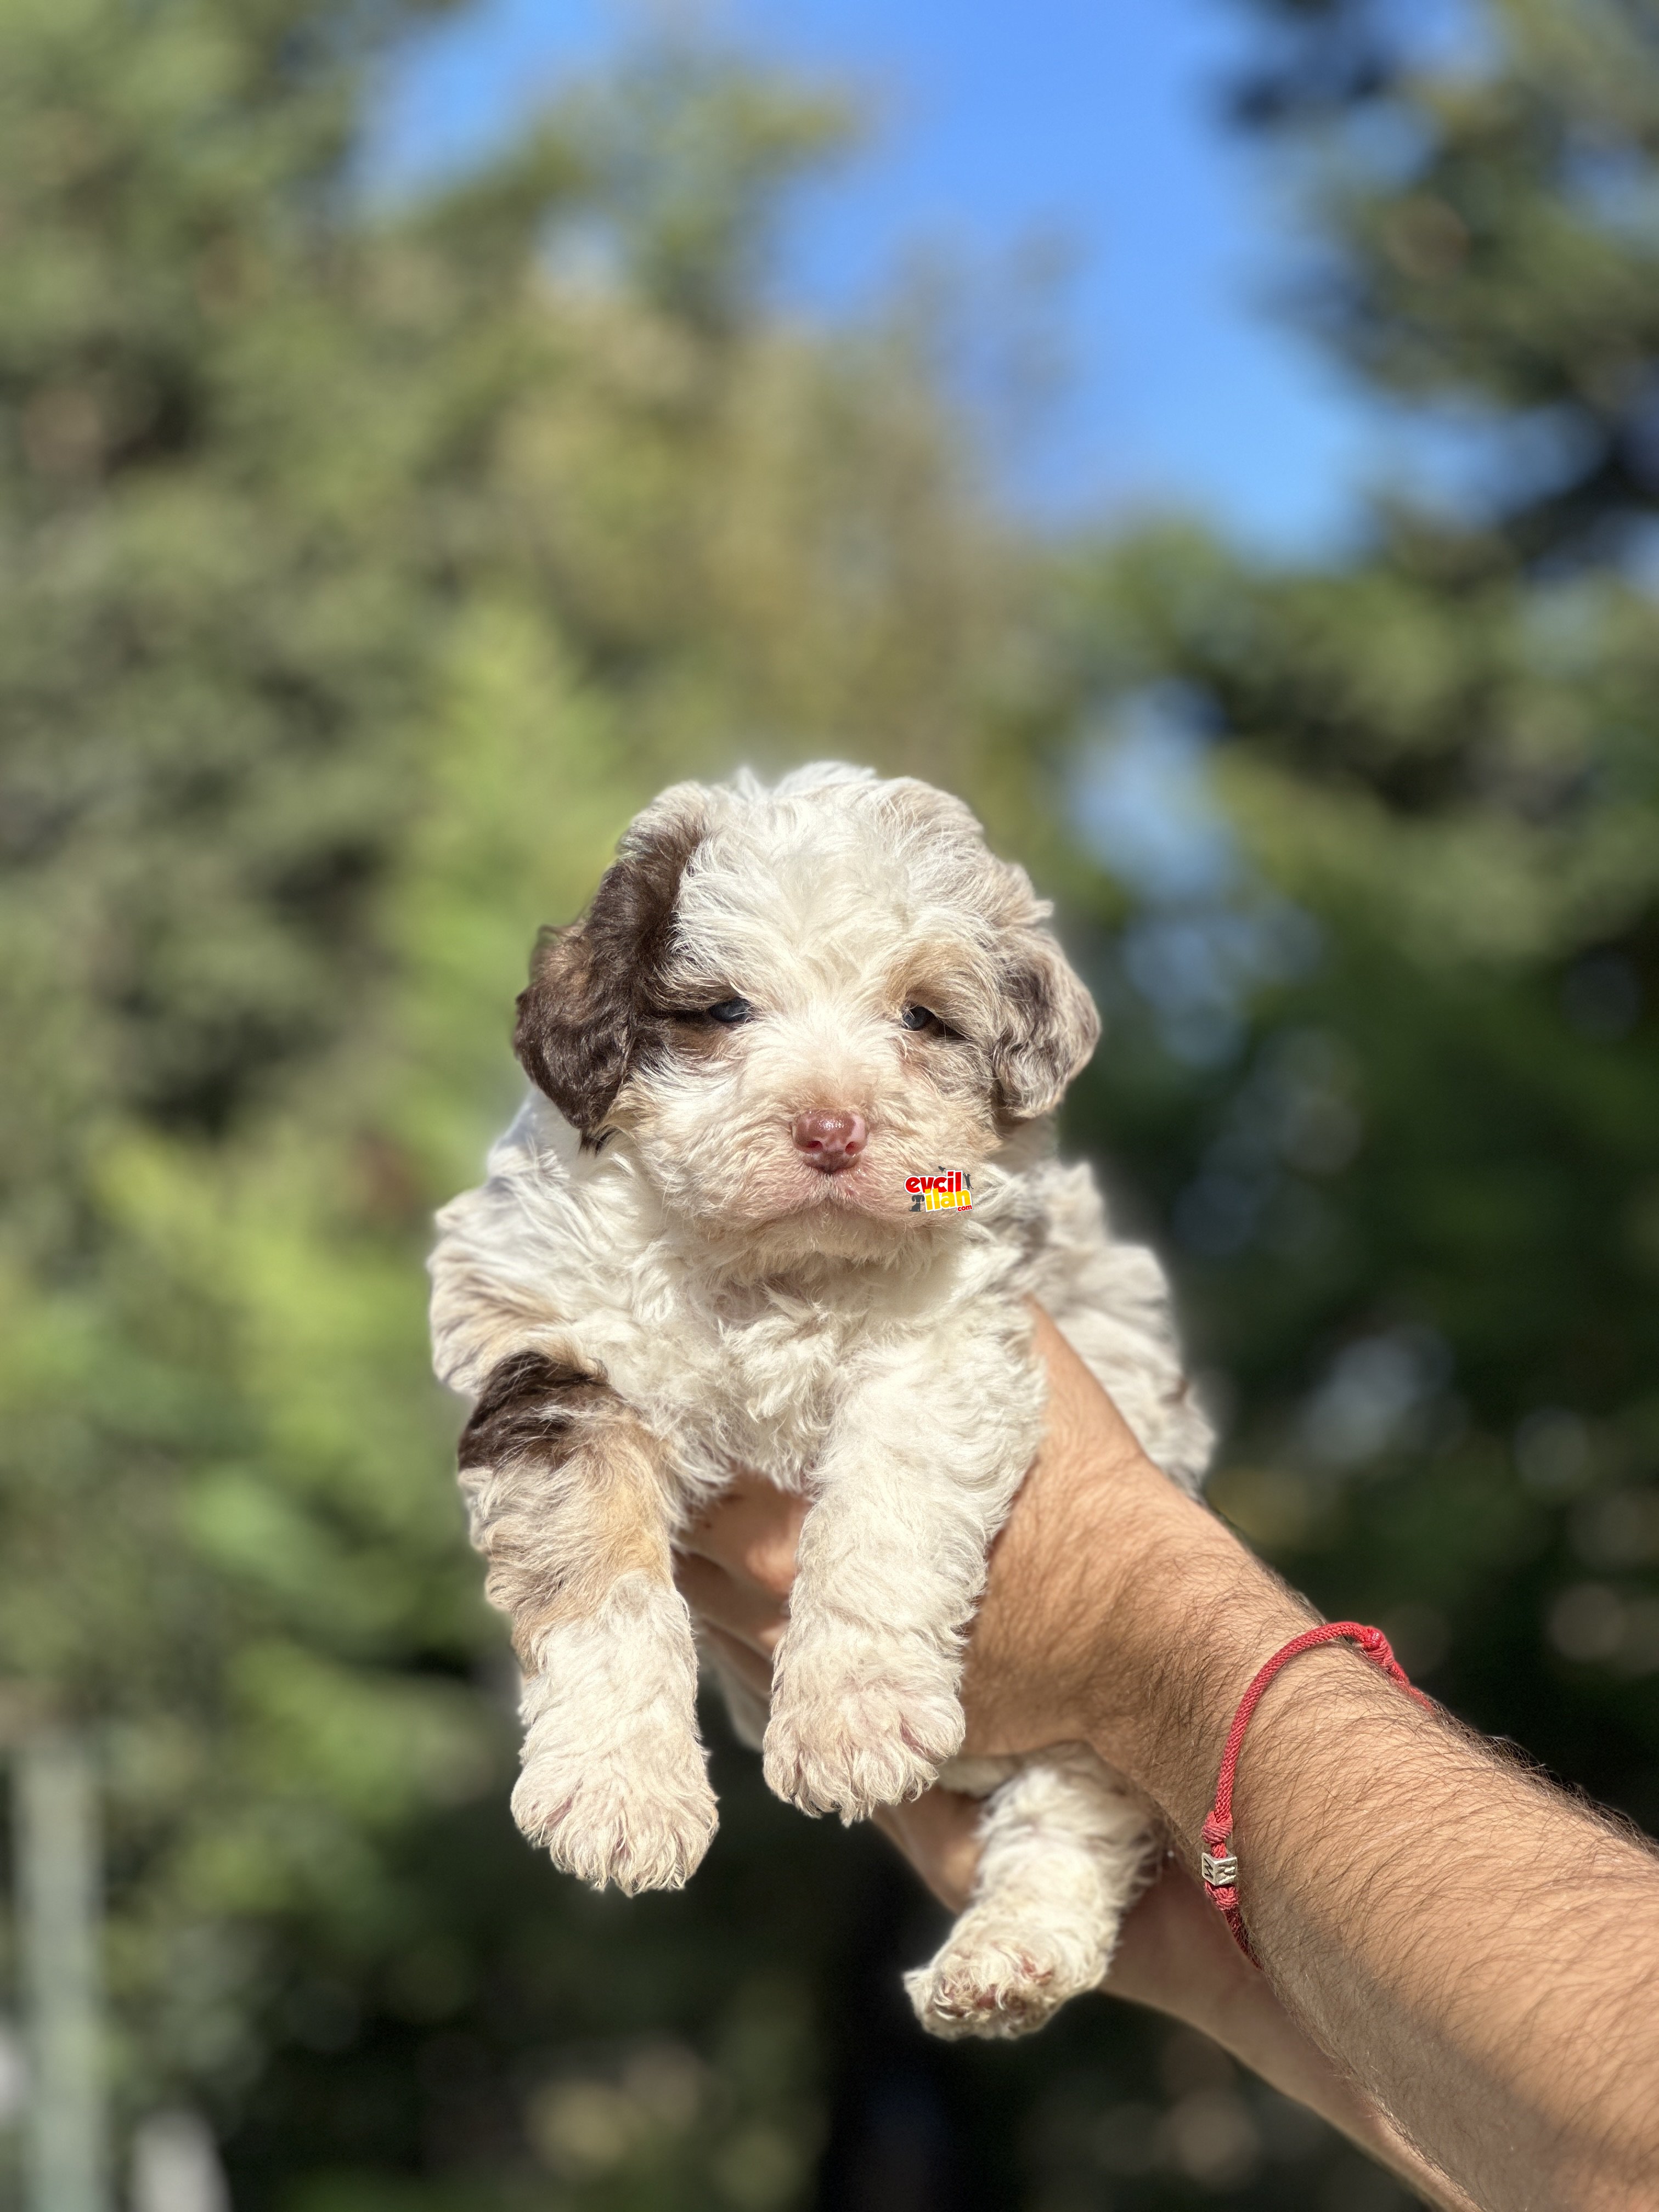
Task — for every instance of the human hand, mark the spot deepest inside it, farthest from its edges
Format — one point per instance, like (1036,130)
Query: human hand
(1095,1528)
(1030,1662)
(1065,1626)
(1032,1670)
(1086,1589)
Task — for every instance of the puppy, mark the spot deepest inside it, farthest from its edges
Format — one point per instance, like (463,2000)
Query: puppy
(708,1243)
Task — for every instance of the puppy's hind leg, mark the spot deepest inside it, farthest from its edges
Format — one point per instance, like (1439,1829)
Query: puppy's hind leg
(1064,1852)
(568,1505)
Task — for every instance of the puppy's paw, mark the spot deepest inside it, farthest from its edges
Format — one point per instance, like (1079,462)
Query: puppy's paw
(997,1976)
(855,1729)
(631,1806)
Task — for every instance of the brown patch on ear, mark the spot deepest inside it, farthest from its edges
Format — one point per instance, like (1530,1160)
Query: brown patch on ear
(591,983)
(1049,1029)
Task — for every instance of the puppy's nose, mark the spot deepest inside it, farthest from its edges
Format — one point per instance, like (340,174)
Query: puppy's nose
(830,1141)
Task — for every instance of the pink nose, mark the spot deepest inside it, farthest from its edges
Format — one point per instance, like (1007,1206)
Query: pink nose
(830,1141)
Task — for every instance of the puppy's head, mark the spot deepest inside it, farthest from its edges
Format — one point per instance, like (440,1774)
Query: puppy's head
(794,1000)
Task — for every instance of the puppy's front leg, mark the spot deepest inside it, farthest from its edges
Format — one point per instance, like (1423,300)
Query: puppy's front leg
(568,1503)
(917,1477)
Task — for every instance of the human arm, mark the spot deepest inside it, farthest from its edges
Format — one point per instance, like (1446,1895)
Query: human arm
(1385,1856)
(1175,1955)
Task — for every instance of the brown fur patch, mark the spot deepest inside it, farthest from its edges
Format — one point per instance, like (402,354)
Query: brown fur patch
(593,984)
(564,1494)
(1051,1028)
(528,1403)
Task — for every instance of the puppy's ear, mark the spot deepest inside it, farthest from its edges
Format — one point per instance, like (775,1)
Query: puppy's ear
(591,983)
(1049,1027)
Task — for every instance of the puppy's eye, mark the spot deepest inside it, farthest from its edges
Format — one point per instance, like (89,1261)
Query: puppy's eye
(730,1011)
(920,1018)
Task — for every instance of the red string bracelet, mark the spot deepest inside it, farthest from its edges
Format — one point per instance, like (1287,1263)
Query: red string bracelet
(1219,1864)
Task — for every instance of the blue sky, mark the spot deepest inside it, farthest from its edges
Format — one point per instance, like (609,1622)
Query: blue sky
(1093,122)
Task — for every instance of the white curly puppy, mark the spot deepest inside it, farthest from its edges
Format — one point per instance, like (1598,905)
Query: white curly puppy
(696,1250)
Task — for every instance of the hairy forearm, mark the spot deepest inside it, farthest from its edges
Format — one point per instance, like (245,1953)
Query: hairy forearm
(1457,1957)
(1475,1950)
(1481,1952)
(1177,1957)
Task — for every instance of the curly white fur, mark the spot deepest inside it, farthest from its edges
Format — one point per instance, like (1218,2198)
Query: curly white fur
(658,1287)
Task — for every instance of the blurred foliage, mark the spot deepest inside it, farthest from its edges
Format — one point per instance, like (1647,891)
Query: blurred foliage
(362,568)
(362,573)
(1416,1175)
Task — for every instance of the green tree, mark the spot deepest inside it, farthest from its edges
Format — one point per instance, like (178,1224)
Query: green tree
(1448,751)
(360,568)
(1389,1077)
(361,571)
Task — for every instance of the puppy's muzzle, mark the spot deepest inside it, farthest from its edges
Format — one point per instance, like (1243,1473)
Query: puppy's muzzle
(829,1140)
